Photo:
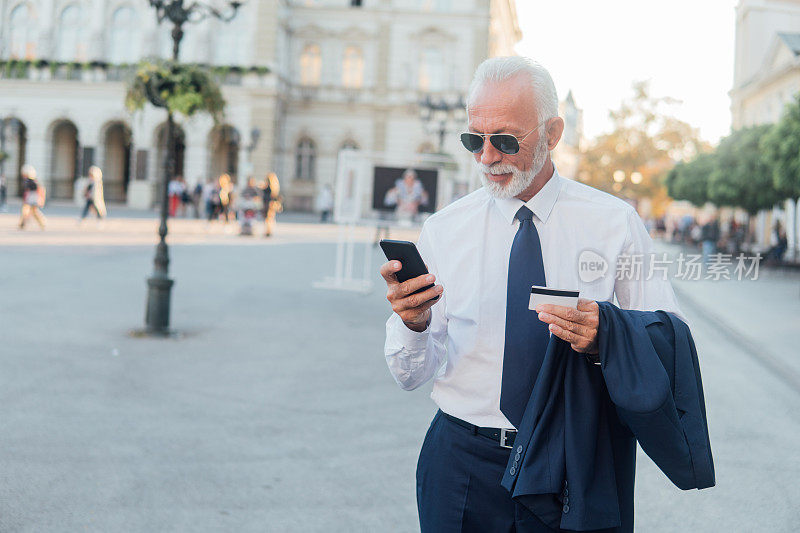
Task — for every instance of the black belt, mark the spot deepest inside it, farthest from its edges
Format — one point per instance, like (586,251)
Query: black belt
(504,436)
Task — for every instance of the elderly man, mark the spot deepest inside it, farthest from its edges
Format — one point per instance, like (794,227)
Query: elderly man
(479,341)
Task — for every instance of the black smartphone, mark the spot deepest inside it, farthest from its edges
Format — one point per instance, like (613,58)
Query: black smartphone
(413,266)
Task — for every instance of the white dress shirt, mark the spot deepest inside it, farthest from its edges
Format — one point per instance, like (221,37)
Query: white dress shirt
(467,245)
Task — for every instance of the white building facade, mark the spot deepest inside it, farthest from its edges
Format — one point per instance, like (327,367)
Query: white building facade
(766,78)
(302,79)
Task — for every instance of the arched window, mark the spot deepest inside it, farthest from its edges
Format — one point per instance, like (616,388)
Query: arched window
(22,35)
(431,73)
(305,160)
(70,45)
(353,68)
(123,37)
(311,65)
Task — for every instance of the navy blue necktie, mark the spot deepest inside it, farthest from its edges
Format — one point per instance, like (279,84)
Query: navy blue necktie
(526,335)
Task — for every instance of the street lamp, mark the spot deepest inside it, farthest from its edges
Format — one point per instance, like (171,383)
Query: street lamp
(439,114)
(159,284)
(178,15)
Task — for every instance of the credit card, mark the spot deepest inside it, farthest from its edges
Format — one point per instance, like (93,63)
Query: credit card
(549,295)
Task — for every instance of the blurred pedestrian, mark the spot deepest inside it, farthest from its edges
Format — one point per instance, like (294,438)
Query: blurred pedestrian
(3,192)
(249,206)
(33,197)
(197,198)
(93,194)
(225,191)
(695,233)
(209,194)
(272,202)
(709,234)
(175,192)
(186,197)
(778,243)
(325,202)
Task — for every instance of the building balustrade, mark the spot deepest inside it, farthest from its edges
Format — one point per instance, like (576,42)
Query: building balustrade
(99,72)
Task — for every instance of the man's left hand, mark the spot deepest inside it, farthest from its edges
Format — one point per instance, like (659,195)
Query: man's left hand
(576,326)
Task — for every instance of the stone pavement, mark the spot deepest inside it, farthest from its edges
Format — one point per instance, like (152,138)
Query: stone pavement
(274,411)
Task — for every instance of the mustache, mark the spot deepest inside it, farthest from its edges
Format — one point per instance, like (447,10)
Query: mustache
(497,168)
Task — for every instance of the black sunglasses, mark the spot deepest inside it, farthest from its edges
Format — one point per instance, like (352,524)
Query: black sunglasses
(504,142)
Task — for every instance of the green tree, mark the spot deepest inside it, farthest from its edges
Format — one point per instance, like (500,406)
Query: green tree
(689,180)
(781,150)
(742,177)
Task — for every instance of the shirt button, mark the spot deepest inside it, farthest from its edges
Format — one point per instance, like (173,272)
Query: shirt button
(516,457)
(566,492)
(512,471)
(519,449)
(565,509)
(566,501)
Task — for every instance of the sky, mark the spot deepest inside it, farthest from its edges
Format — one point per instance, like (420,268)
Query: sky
(599,48)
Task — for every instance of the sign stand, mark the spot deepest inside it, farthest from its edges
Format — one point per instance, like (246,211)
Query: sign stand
(351,181)
(352,212)
(343,278)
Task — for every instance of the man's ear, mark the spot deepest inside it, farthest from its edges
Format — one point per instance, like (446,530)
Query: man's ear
(554,128)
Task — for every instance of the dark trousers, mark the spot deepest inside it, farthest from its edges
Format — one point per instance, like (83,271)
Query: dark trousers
(458,484)
(90,205)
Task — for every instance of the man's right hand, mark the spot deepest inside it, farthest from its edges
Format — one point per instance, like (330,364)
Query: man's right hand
(413,309)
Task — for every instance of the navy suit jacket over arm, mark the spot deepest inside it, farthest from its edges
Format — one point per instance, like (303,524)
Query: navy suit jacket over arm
(574,457)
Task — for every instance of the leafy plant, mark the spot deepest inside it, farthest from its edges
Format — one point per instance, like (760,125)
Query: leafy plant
(183,89)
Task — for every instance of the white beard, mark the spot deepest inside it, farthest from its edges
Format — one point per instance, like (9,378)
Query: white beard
(520,180)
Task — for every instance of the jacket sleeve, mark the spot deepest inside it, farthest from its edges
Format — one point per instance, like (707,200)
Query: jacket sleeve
(650,367)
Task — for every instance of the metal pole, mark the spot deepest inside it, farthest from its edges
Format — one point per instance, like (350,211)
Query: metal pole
(159,285)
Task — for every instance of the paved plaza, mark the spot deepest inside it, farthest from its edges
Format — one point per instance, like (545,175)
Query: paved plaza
(273,410)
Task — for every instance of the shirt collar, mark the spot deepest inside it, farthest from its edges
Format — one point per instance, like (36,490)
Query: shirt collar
(541,204)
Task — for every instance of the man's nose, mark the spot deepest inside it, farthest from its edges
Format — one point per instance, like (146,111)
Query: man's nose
(489,154)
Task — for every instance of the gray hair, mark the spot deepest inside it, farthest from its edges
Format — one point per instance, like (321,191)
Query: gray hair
(500,69)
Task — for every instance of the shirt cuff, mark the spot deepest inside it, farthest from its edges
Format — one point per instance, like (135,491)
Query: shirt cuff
(411,340)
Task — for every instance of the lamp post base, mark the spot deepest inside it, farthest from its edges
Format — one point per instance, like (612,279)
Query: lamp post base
(158,300)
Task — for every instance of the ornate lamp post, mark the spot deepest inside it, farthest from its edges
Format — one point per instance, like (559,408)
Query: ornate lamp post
(440,115)
(178,15)
(159,284)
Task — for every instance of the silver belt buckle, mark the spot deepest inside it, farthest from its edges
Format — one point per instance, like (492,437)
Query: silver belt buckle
(503,436)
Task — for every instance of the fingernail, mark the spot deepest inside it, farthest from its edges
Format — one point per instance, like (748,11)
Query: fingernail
(429,278)
(439,288)
(396,265)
